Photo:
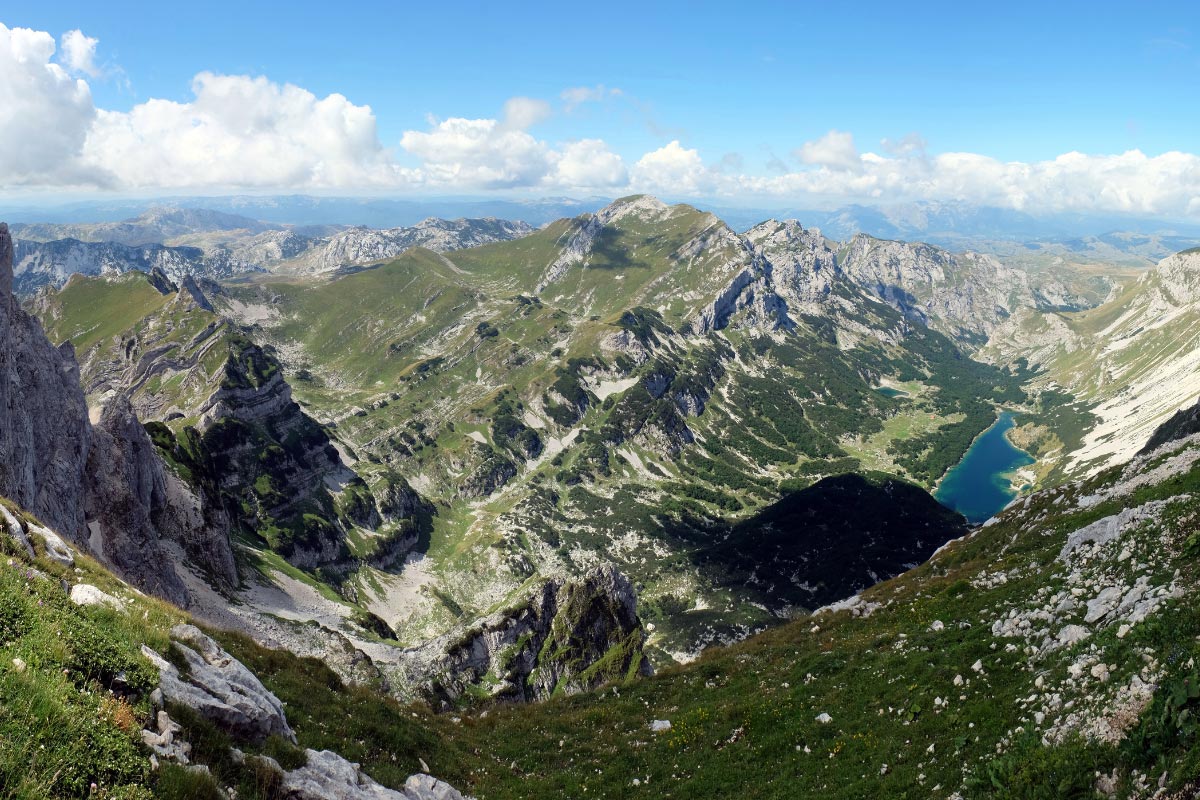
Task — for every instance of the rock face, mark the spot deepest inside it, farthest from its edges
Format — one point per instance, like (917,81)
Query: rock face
(219,687)
(568,637)
(790,269)
(134,503)
(965,296)
(805,263)
(102,487)
(44,432)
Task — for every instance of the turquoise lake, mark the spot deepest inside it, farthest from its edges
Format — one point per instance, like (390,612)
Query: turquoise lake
(977,487)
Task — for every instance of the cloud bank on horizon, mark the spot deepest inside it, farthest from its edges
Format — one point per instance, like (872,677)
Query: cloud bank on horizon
(240,132)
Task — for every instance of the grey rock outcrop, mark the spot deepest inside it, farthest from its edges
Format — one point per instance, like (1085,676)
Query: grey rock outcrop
(219,687)
(16,531)
(804,261)
(328,776)
(569,636)
(56,549)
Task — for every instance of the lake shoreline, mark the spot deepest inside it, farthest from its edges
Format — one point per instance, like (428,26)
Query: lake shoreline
(981,484)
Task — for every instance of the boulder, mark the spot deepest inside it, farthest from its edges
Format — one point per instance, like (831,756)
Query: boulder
(427,787)
(219,687)
(84,594)
(15,532)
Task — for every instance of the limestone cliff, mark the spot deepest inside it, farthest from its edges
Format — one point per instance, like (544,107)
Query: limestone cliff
(101,486)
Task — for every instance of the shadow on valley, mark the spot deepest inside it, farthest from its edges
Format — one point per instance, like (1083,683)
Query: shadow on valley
(826,542)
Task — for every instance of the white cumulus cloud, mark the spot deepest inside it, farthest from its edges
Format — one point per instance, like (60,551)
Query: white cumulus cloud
(79,52)
(1130,182)
(502,154)
(46,114)
(243,131)
(673,169)
(480,153)
(589,164)
(834,150)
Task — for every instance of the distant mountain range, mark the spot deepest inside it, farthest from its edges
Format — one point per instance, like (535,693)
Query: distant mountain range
(217,245)
(1137,240)
(308,210)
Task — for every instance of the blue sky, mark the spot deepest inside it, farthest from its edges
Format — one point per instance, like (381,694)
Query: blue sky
(743,86)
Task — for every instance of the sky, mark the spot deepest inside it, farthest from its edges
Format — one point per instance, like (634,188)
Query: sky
(1045,106)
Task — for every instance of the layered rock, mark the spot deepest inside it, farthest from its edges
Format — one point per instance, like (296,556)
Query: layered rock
(219,407)
(219,687)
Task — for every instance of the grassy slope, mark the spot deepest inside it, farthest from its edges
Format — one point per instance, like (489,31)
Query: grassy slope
(88,311)
(744,719)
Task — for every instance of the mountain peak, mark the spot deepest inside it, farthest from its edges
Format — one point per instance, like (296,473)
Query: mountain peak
(645,207)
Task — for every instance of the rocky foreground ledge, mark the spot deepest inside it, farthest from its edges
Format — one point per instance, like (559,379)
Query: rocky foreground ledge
(221,689)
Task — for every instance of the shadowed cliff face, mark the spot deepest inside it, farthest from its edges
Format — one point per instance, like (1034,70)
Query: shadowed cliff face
(1184,423)
(101,486)
(44,432)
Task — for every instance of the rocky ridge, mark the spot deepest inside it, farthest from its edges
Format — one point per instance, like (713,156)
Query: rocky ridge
(570,635)
(1135,361)
(101,485)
